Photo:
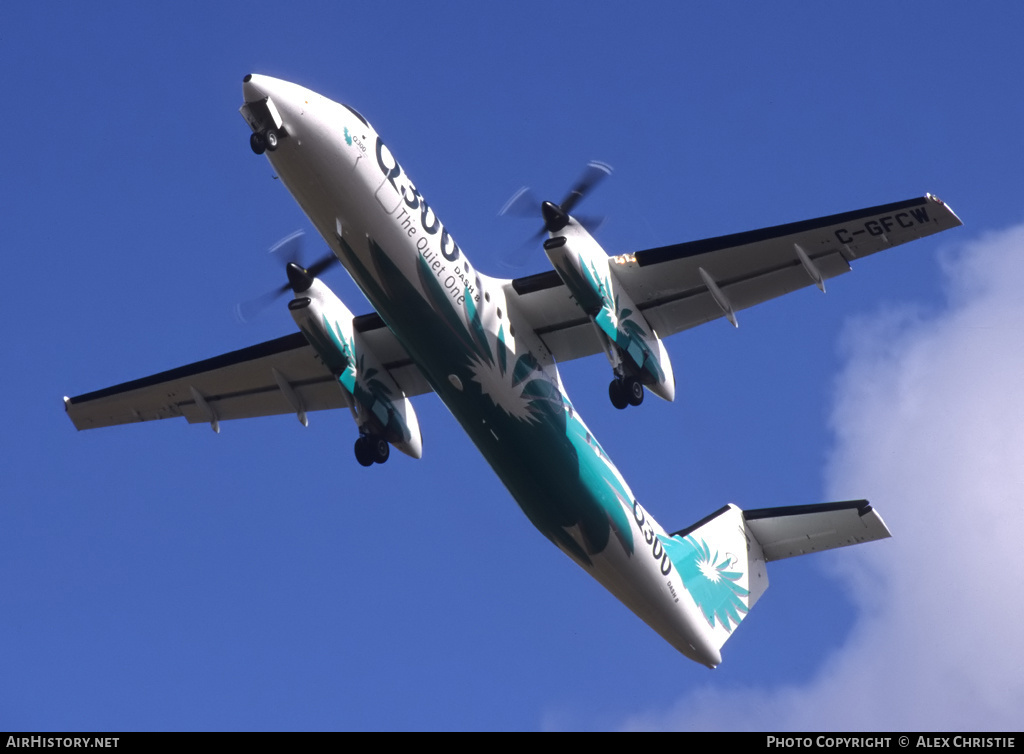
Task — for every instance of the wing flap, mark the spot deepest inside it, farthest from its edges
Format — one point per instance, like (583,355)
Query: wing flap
(694,306)
(552,312)
(393,356)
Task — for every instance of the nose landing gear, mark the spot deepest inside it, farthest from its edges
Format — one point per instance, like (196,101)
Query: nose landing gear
(371,449)
(263,141)
(626,391)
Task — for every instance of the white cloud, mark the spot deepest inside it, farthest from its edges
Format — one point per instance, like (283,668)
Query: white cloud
(929,416)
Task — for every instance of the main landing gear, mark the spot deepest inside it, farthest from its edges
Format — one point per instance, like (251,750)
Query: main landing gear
(263,141)
(371,449)
(626,391)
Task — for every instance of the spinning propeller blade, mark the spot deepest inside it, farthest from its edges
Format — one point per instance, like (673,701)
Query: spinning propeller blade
(593,174)
(524,203)
(287,251)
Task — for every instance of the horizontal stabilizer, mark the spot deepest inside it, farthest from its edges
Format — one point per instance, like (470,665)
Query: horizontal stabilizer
(800,529)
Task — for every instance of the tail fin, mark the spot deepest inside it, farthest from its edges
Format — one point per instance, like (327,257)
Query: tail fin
(721,559)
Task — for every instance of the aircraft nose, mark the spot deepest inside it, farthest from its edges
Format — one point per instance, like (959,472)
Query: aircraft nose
(254,87)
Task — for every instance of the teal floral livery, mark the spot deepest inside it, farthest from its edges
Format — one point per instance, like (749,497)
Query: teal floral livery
(709,580)
(507,395)
(617,323)
(365,385)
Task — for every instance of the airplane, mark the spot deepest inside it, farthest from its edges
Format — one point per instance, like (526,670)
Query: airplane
(489,348)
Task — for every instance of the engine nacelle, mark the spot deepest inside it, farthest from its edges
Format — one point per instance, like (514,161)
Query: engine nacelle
(631,344)
(380,408)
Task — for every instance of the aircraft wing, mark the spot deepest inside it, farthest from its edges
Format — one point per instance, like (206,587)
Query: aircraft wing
(684,285)
(282,376)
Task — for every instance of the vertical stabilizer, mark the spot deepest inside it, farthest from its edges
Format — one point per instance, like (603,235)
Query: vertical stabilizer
(722,568)
(721,559)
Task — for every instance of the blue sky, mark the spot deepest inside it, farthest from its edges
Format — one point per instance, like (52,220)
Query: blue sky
(163,577)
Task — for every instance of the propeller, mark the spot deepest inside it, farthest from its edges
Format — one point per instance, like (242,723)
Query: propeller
(524,203)
(287,251)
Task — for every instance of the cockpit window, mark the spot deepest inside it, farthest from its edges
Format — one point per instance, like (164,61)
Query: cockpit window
(355,113)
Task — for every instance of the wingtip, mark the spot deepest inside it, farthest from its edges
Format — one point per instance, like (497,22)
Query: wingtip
(932,198)
(67,410)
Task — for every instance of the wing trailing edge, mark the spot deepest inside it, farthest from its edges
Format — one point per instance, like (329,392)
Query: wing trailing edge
(280,376)
(684,285)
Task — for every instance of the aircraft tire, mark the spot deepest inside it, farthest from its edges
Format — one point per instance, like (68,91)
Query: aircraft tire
(381,449)
(271,139)
(364,451)
(633,389)
(258,143)
(617,394)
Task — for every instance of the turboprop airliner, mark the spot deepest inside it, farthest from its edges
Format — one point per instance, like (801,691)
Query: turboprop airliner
(489,348)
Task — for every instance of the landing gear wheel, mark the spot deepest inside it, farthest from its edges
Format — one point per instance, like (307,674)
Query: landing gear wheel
(271,139)
(258,143)
(617,394)
(364,452)
(381,449)
(633,389)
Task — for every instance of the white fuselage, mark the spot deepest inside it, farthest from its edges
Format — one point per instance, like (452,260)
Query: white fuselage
(479,354)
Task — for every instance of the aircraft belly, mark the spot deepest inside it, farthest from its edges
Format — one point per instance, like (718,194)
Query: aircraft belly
(558,476)
(499,381)
(513,407)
